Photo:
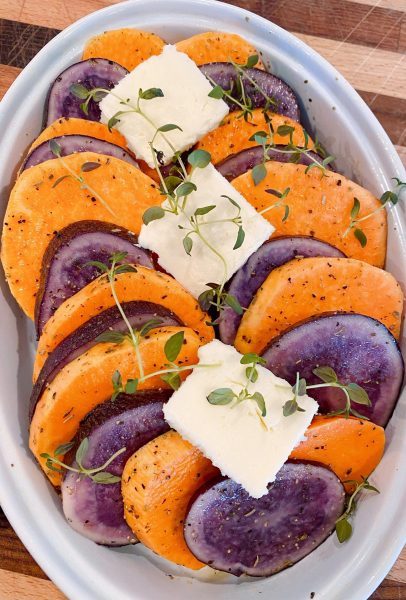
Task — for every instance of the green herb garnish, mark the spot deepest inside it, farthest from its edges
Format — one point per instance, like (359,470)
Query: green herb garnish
(343,525)
(97,474)
(352,392)
(224,396)
(78,177)
(388,198)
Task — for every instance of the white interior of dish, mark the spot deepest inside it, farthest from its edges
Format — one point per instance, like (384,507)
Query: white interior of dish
(364,153)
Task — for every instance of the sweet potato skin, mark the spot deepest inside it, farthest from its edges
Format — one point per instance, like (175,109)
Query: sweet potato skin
(158,483)
(127,47)
(233,134)
(72,126)
(37,210)
(311,286)
(86,382)
(352,447)
(217,46)
(319,207)
(145,284)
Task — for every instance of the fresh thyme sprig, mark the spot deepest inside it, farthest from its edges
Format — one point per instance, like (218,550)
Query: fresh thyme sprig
(196,224)
(292,406)
(237,93)
(85,168)
(217,297)
(352,392)
(176,188)
(343,526)
(280,202)
(388,198)
(224,396)
(172,348)
(111,271)
(96,474)
(267,142)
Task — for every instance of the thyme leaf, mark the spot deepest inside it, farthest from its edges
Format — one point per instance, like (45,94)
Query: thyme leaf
(343,526)
(225,396)
(96,474)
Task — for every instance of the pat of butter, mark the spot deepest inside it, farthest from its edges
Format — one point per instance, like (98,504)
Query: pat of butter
(165,236)
(185,103)
(245,448)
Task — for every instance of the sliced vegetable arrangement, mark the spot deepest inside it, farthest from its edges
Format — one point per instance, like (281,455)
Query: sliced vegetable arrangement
(175,197)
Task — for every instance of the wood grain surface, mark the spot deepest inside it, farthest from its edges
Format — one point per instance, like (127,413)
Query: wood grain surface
(364,39)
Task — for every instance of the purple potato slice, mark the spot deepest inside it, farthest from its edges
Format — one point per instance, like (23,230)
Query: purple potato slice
(359,349)
(236,164)
(85,337)
(91,73)
(96,510)
(226,76)
(70,144)
(230,531)
(63,271)
(249,278)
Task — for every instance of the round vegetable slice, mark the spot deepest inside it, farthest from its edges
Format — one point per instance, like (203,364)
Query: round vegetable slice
(233,532)
(234,133)
(87,381)
(309,287)
(320,205)
(237,164)
(267,90)
(73,126)
(127,47)
(358,348)
(90,74)
(42,203)
(70,144)
(158,483)
(65,270)
(96,510)
(86,336)
(212,46)
(352,447)
(143,285)
(247,280)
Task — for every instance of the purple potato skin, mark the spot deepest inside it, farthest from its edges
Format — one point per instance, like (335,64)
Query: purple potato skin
(63,271)
(84,338)
(96,510)
(230,531)
(225,75)
(359,349)
(91,73)
(236,164)
(249,278)
(70,144)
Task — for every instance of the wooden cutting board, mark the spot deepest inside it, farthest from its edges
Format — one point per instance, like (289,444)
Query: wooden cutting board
(364,39)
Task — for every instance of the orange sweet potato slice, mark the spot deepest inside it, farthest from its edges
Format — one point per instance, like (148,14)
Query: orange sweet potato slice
(352,448)
(86,382)
(233,134)
(144,285)
(73,126)
(306,287)
(217,46)
(127,47)
(38,209)
(319,206)
(158,483)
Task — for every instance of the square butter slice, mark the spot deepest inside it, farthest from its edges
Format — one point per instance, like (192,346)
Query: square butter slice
(185,103)
(204,265)
(245,447)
